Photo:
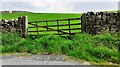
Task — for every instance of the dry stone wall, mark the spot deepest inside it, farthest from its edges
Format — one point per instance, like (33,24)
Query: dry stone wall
(102,22)
(14,25)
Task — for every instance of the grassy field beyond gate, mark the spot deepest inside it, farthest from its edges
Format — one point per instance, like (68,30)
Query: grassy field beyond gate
(33,17)
(40,16)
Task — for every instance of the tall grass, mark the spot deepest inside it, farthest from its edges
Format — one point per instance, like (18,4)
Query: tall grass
(10,38)
(97,48)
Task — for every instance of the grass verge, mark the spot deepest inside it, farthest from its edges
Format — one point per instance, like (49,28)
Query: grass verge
(97,48)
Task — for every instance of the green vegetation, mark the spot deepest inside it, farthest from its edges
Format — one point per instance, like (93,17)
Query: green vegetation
(39,16)
(97,48)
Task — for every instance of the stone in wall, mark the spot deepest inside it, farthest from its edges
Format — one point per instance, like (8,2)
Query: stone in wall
(101,22)
(14,25)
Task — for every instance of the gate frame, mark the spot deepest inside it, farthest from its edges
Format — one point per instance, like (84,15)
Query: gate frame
(25,26)
(83,23)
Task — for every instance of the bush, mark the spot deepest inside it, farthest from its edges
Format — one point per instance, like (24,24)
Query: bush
(9,41)
(108,40)
(24,45)
(9,38)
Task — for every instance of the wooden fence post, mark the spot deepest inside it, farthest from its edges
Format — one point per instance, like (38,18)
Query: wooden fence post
(25,26)
(83,23)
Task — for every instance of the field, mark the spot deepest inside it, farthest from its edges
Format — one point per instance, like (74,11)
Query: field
(46,16)
(40,16)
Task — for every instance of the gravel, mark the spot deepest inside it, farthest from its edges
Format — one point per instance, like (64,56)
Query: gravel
(37,60)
